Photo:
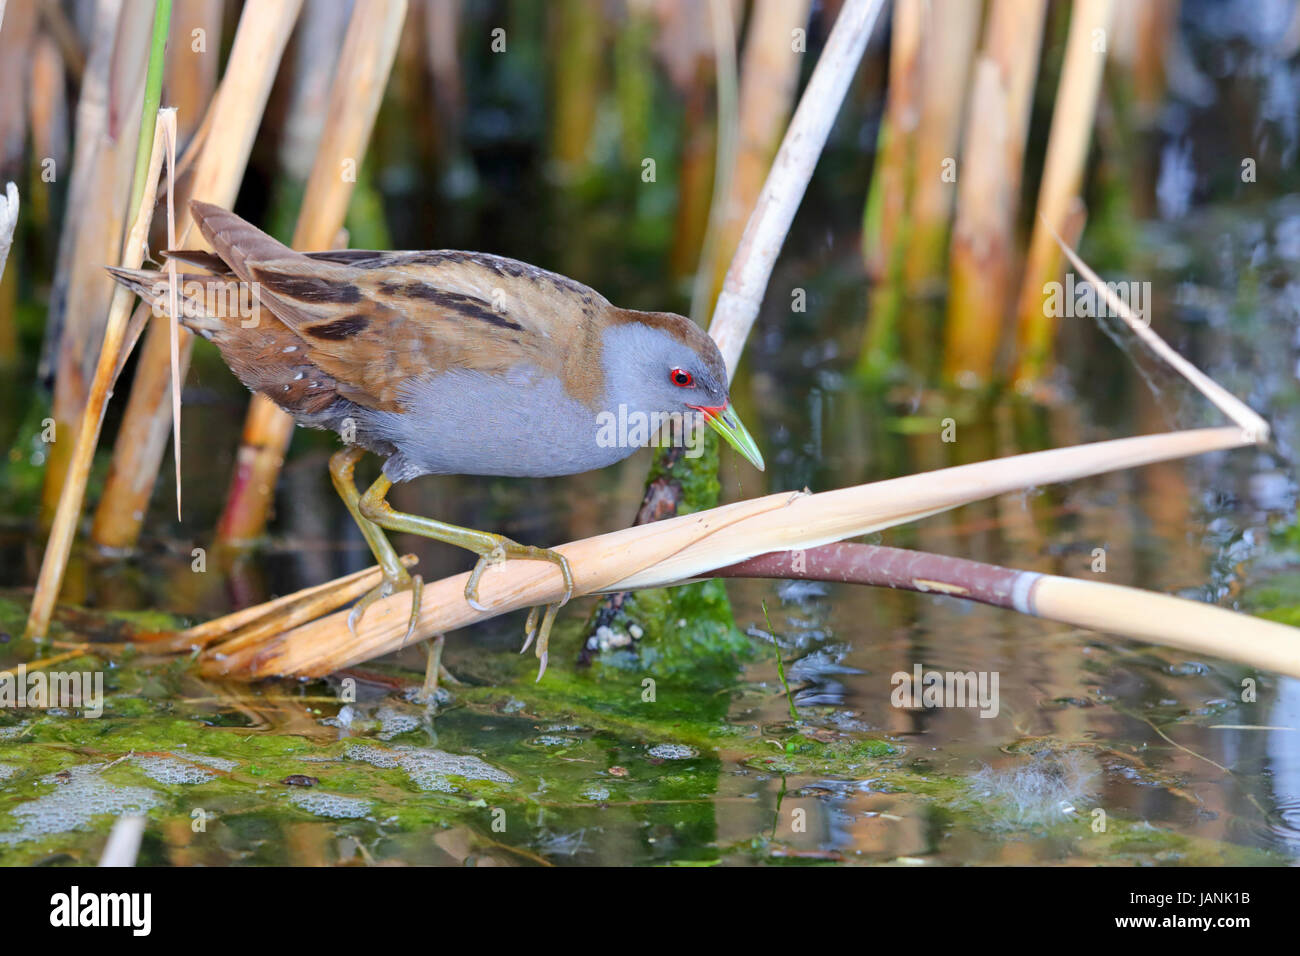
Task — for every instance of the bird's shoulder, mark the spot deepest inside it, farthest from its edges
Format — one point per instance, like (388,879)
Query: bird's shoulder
(374,319)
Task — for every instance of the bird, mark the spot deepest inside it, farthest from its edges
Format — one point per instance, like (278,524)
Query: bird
(442,363)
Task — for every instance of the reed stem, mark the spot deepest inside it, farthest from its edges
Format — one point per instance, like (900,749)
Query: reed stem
(764,235)
(1058,195)
(68,511)
(983,241)
(360,78)
(232,123)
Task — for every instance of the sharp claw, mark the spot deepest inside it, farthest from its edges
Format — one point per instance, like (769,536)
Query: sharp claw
(474,603)
(542,668)
(530,630)
(417,593)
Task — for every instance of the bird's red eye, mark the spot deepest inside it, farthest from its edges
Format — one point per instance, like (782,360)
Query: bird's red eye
(682,378)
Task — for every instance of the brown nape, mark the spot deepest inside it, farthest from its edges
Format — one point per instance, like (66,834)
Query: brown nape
(684,330)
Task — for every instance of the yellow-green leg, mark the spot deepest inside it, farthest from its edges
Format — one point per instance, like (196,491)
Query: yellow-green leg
(343,465)
(491,549)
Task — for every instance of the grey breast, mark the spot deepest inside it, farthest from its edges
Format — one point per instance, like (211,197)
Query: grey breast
(465,422)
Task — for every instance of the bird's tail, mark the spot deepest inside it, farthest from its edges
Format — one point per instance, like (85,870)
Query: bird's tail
(237,241)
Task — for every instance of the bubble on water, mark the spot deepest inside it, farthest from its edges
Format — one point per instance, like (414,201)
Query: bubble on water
(80,794)
(599,794)
(673,752)
(220,763)
(375,756)
(7,770)
(172,770)
(332,805)
(430,769)
(393,722)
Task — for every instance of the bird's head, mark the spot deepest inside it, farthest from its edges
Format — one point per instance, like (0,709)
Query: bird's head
(658,362)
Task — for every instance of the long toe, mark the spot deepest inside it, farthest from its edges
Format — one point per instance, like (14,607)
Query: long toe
(386,587)
(417,593)
(544,638)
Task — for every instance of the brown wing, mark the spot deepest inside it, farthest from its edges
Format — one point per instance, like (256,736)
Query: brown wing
(268,357)
(373,320)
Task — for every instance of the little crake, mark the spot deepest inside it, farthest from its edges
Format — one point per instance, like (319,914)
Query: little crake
(442,363)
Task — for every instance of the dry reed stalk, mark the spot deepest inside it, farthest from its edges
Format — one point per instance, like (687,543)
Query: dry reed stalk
(442,20)
(988,194)
(360,78)
(722,27)
(885,225)
(16,45)
(87,436)
(64,34)
(1142,30)
(89,123)
(123,846)
(577,27)
(1107,608)
(948,46)
(768,78)
(751,268)
(232,123)
(885,217)
(695,176)
(687,547)
(191,74)
(108,118)
(48,109)
(336,593)
(1067,151)
(300,99)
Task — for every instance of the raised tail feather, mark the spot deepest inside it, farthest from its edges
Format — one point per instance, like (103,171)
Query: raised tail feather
(236,241)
